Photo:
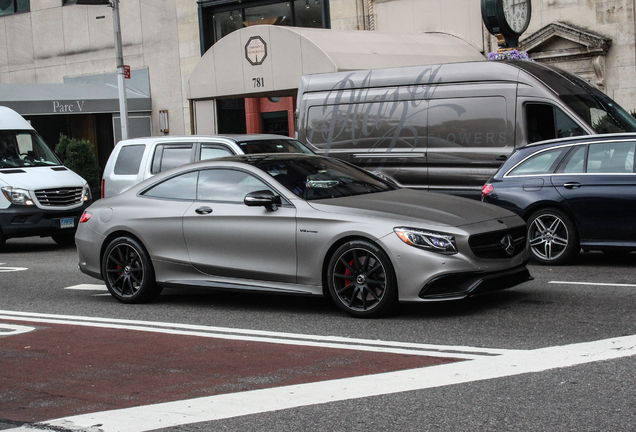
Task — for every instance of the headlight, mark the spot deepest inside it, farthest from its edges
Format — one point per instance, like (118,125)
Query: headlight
(86,193)
(17,196)
(429,240)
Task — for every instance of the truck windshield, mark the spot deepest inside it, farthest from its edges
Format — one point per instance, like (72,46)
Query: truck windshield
(23,148)
(589,103)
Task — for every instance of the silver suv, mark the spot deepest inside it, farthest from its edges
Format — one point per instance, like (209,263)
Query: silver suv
(134,160)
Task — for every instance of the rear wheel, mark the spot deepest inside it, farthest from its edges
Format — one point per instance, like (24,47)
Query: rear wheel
(3,238)
(128,271)
(361,279)
(553,237)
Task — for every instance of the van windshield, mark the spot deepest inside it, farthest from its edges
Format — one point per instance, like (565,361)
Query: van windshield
(23,148)
(589,103)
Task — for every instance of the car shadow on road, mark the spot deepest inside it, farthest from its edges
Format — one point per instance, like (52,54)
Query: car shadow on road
(32,245)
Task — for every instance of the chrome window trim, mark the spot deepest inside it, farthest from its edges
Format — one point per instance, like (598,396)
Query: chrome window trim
(508,175)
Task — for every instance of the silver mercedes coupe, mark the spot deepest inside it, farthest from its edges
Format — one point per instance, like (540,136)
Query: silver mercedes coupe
(299,224)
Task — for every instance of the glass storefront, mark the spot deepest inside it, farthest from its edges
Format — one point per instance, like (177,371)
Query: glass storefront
(220,17)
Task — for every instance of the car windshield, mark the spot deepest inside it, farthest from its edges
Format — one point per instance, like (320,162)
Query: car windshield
(274,146)
(20,148)
(319,178)
(589,103)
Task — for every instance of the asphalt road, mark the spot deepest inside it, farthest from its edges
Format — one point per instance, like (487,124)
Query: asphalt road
(592,395)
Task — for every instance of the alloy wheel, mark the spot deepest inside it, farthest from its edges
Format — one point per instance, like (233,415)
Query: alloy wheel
(125,270)
(359,279)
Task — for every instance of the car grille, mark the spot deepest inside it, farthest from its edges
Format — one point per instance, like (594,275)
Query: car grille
(59,197)
(493,245)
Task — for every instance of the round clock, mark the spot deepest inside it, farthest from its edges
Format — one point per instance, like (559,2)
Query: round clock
(509,18)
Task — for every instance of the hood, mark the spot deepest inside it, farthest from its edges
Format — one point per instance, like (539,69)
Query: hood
(409,205)
(36,178)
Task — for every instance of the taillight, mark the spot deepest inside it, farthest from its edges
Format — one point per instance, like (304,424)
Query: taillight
(85,217)
(103,187)
(487,189)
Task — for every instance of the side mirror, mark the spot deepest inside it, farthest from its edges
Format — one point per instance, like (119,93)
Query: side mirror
(263,198)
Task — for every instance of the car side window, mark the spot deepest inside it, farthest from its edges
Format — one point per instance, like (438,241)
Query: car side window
(545,121)
(171,155)
(227,185)
(214,151)
(129,159)
(540,163)
(181,187)
(574,162)
(613,157)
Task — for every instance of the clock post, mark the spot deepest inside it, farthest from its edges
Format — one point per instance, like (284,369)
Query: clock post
(506,19)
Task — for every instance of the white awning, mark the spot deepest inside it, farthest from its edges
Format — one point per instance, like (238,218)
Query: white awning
(267,60)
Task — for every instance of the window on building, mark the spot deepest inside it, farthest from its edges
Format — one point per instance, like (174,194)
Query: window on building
(13,6)
(220,17)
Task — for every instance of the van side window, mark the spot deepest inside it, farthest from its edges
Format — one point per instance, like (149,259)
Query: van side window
(468,122)
(214,151)
(545,121)
(385,125)
(171,155)
(129,159)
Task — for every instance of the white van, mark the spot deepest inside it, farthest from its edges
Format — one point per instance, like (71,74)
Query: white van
(40,196)
(134,160)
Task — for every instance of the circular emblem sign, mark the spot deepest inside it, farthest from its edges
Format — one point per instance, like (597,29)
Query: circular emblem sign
(255,50)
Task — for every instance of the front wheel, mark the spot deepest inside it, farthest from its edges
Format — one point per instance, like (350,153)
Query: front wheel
(553,237)
(361,279)
(128,271)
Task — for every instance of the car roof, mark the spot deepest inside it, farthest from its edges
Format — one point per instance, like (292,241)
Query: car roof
(230,137)
(580,139)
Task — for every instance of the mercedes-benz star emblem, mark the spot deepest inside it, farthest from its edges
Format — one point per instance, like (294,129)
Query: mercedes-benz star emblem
(508,245)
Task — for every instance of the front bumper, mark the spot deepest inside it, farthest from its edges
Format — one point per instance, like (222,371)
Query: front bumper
(28,221)
(462,285)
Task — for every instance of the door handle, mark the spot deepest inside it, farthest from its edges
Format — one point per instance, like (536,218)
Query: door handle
(501,158)
(572,185)
(203,210)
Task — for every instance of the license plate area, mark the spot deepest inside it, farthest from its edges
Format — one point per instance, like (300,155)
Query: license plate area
(67,223)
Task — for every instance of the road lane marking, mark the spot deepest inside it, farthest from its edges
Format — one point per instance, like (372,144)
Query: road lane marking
(11,269)
(170,414)
(87,287)
(592,283)
(460,352)
(11,330)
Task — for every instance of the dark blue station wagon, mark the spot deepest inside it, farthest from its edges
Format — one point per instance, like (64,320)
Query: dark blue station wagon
(573,193)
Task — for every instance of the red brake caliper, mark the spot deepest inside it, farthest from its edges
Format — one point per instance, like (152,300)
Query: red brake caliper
(348,273)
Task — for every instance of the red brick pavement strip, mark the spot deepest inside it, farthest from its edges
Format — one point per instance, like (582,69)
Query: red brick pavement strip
(64,370)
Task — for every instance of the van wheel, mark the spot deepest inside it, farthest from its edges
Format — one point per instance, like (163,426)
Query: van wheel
(128,271)
(361,279)
(64,239)
(3,238)
(553,237)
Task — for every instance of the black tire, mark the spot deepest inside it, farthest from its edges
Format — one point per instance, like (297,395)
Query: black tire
(3,238)
(128,272)
(64,239)
(361,280)
(553,237)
